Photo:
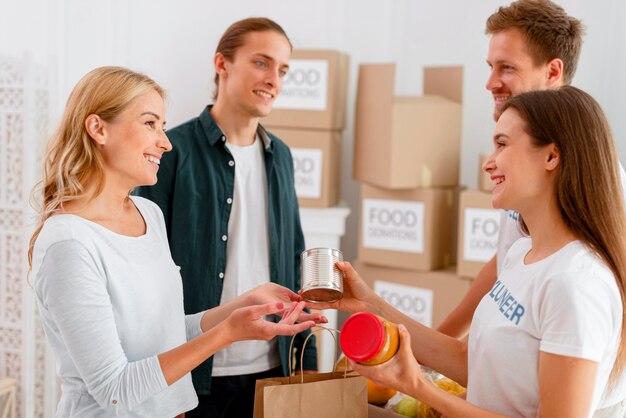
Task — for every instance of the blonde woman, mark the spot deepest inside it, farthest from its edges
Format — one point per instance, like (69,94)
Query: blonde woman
(109,293)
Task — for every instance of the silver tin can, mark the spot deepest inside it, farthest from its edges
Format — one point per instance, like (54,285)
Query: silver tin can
(321,280)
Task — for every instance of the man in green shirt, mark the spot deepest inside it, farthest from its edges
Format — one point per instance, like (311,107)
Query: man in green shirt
(228,197)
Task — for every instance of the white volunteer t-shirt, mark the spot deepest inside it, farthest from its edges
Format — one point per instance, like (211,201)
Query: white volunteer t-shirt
(247,258)
(509,233)
(566,304)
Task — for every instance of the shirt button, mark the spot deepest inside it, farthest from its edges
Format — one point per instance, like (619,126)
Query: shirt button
(114,402)
(221,275)
(229,200)
(231,163)
(224,237)
(223,138)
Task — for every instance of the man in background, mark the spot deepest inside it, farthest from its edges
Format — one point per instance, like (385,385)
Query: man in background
(227,193)
(534,45)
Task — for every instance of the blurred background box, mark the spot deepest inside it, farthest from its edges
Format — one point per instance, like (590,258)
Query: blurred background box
(314,92)
(412,229)
(316,159)
(407,141)
(427,297)
(479,226)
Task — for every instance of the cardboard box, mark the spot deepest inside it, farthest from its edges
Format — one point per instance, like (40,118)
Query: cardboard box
(412,229)
(406,142)
(427,297)
(479,226)
(445,82)
(484,179)
(316,163)
(314,92)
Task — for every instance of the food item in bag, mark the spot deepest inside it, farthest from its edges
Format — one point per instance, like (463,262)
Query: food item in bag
(377,394)
(342,364)
(369,339)
(407,407)
(444,383)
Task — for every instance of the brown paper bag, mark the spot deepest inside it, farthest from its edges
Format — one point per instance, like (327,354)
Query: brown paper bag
(319,395)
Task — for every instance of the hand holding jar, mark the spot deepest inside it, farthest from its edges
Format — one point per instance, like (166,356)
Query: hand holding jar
(393,368)
(369,339)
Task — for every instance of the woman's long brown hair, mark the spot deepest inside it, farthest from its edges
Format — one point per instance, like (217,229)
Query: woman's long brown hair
(589,192)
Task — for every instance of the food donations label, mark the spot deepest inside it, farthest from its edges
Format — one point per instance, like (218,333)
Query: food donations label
(393,225)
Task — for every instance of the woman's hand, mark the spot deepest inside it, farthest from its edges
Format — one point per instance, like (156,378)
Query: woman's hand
(269,293)
(304,316)
(248,323)
(265,294)
(402,372)
(273,293)
(357,295)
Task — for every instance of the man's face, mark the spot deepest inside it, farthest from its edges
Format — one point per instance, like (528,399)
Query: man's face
(254,78)
(512,68)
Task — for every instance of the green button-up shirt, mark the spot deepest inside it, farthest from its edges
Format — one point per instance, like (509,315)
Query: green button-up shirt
(195,190)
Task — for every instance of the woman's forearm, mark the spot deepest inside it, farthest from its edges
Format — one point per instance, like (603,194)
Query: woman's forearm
(216,315)
(431,348)
(183,359)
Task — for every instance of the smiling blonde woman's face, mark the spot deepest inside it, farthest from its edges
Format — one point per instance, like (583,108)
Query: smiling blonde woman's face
(135,141)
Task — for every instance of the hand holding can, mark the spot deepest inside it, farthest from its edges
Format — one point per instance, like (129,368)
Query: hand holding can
(322,281)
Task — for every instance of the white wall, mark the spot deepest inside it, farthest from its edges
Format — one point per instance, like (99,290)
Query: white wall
(174,41)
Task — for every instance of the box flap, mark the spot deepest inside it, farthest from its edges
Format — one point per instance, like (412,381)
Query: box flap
(373,119)
(426,99)
(444,81)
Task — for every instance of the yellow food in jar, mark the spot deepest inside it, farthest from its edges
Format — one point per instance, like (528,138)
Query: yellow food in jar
(390,346)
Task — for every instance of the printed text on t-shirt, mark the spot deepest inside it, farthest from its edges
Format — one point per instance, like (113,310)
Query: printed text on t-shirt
(507,304)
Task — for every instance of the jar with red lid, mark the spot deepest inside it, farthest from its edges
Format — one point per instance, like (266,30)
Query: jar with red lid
(369,339)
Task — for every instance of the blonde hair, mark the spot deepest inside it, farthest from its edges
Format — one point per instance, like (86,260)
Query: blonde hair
(588,190)
(71,160)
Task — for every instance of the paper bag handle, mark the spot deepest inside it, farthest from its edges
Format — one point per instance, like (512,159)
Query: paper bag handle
(319,329)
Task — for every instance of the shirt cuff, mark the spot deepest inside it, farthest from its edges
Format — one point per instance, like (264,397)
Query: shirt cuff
(192,323)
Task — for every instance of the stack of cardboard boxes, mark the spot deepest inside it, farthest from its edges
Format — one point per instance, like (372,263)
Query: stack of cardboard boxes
(309,115)
(479,226)
(407,157)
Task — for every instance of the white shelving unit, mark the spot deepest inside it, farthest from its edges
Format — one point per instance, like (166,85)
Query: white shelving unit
(324,227)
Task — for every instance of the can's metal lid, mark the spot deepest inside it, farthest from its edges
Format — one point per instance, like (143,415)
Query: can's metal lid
(332,252)
(362,336)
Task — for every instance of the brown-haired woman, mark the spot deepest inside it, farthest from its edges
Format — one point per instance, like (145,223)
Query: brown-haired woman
(109,294)
(547,339)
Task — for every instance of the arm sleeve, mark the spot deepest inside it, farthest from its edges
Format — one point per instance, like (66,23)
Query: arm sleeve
(73,291)
(192,323)
(579,317)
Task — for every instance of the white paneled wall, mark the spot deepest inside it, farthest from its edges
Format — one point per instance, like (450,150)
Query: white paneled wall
(24,115)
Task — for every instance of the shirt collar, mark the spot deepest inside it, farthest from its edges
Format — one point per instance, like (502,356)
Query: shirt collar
(216,136)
